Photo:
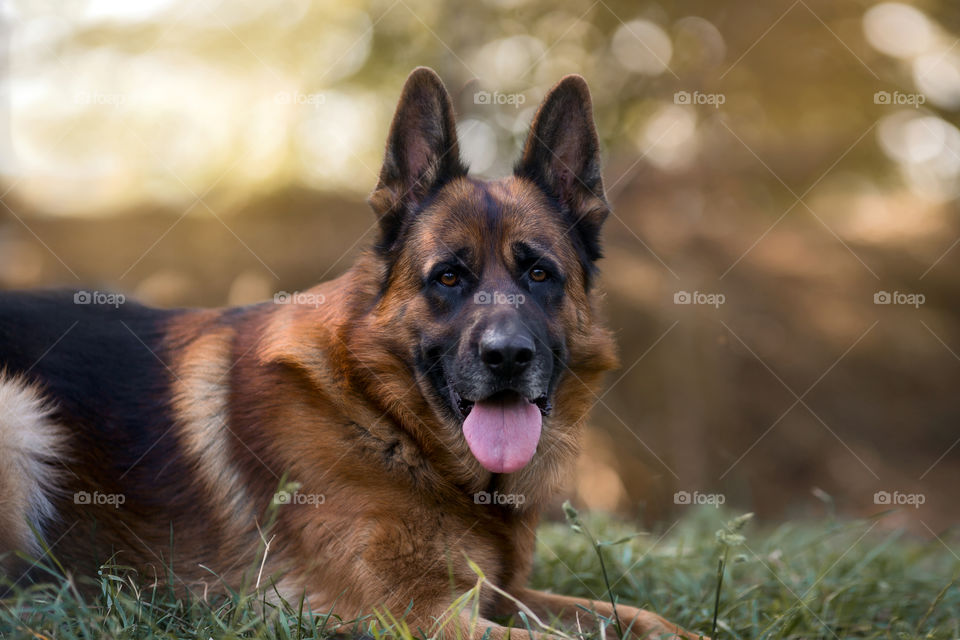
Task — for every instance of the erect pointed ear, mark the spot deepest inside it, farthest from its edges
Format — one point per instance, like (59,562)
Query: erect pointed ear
(421,153)
(562,156)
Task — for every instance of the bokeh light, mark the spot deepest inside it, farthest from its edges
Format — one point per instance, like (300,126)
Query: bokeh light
(798,158)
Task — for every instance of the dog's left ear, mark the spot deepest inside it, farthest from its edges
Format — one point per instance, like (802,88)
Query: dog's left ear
(421,155)
(562,156)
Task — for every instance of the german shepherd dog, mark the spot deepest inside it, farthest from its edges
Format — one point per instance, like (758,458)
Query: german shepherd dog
(368,419)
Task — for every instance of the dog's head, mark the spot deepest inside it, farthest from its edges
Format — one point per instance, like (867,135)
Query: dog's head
(490,283)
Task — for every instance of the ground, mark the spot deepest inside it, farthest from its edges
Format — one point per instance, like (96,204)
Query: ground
(825,578)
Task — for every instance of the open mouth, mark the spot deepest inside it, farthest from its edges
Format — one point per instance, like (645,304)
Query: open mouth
(464,406)
(502,430)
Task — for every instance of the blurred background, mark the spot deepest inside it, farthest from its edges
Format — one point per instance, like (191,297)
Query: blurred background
(781,271)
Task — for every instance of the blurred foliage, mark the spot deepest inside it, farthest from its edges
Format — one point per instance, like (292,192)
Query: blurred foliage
(115,103)
(798,158)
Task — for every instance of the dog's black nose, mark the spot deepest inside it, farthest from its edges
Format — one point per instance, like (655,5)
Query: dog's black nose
(506,352)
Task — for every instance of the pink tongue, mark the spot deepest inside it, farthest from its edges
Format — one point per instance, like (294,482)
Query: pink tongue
(503,433)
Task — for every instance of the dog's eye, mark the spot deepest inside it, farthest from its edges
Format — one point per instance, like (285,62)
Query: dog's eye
(537,274)
(449,279)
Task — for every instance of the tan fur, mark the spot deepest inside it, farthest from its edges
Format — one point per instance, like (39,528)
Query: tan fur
(31,447)
(201,403)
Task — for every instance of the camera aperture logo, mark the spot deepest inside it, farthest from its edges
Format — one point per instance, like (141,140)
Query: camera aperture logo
(299,297)
(99,499)
(899,297)
(99,298)
(498,297)
(283,497)
(495,97)
(895,498)
(697,498)
(497,498)
(698,297)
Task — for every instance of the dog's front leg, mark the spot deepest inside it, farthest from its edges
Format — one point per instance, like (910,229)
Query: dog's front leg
(482,629)
(569,611)
(440,622)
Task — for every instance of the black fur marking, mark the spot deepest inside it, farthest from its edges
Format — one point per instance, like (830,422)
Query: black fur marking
(101,367)
(95,361)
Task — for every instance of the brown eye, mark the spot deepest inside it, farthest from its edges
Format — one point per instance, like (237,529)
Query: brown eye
(449,279)
(537,274)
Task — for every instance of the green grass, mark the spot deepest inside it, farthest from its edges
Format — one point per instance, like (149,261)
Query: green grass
(822,579)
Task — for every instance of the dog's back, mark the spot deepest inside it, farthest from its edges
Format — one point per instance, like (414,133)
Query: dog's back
(85,402)
(75,351)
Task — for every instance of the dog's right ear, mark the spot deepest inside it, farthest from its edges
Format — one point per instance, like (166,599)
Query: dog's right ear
(421,154)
